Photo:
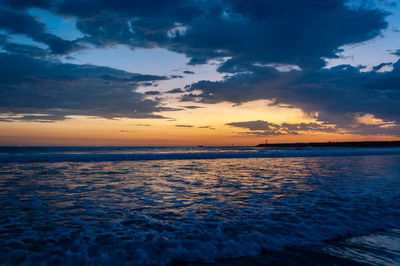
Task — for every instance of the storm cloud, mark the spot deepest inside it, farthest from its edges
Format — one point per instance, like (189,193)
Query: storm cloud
(264,128)
(289,32)
(54,90)
(269,49)
(335,94)
(20,22)
(177,90)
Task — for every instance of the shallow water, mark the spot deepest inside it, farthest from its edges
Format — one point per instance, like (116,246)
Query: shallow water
(160,211)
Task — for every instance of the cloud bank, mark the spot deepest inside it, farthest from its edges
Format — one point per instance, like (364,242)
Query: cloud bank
(269,50)
(54,90)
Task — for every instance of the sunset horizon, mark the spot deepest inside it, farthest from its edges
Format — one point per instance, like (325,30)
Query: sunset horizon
(69,79)
(200,132)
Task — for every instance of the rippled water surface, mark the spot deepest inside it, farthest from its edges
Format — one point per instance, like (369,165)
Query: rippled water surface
(160,211)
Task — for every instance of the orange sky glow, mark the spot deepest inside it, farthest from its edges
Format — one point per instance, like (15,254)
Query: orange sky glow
(205,126)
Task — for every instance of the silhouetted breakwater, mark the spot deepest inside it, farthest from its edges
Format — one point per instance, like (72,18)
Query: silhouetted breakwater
(352,144)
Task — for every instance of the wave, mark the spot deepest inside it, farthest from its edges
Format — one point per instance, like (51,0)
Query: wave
(200,211)
(262,153)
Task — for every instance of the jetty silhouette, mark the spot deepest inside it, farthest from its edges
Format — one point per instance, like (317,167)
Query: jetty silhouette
(350,144)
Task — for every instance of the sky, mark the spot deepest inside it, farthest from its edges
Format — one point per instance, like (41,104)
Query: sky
(220,72)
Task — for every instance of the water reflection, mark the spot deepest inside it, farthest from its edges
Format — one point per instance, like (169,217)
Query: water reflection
(156,211)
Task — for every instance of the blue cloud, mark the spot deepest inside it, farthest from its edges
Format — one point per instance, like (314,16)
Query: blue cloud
(250,39)
(50,88)
(336,94)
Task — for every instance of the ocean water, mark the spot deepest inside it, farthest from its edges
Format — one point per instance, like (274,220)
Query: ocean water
(163,205)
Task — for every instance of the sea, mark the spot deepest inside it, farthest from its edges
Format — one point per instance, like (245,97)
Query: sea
(199,206)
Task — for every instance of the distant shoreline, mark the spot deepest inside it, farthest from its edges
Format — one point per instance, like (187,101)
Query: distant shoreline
(351,144)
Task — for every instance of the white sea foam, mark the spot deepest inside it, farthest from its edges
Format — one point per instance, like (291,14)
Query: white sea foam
(78,156)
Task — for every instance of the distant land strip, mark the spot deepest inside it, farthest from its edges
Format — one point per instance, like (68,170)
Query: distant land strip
(351,144)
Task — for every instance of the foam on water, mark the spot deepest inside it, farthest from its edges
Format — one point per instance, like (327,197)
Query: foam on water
(155,212)
(65,154)
(379,248)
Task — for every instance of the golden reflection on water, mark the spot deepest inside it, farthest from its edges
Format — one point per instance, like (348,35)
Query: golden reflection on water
(219,206)
(180,186)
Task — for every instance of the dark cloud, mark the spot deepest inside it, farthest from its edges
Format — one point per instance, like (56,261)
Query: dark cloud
(22,49)
(20,22)
(17,69)
(178,10)
(251,37)
(265,128)
(260,31)
(54,90)
(130,77)
(191,97)
(192,107)
(336,94)
(176,76)
(382,130)
(209,127)
(188,72)
(32,118)
(142,125)
(177,90)
(258,125)
(152,93)
(22,4)
(288,32)
(184,125)
(380,66)
(397,53)
(148,84)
